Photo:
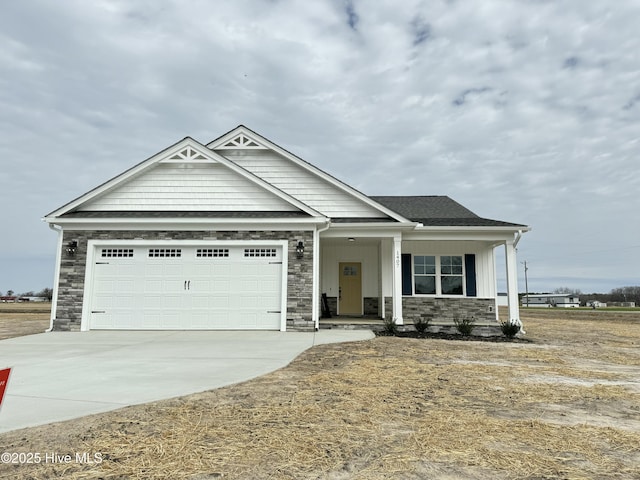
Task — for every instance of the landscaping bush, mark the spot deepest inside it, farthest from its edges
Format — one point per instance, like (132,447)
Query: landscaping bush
(510,329)
(422,323)
(465,326)
(390,326)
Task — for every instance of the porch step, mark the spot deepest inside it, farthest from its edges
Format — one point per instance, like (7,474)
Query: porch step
(358,323)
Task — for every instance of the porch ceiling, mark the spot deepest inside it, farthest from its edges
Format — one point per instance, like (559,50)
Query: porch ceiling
(344,241)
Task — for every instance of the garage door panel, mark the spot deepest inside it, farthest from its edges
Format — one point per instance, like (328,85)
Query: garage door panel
(188,288)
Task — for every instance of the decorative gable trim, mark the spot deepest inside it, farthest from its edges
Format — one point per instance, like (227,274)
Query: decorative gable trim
(241,141)
(188,154)
(220,142)
(187,150)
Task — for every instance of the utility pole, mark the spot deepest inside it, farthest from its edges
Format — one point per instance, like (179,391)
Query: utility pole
(526,282)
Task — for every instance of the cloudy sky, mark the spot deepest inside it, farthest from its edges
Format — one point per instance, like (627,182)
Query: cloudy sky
(525,111)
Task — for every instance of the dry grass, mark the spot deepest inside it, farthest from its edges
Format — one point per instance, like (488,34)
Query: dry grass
(566,405)
(18,319)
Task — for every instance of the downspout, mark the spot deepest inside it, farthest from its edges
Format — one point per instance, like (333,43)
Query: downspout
(316,273)
(56,279)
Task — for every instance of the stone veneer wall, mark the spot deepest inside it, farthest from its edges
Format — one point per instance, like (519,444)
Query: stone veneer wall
(72,270)
(443,309)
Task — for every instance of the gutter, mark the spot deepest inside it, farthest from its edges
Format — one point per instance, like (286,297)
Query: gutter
(56,279)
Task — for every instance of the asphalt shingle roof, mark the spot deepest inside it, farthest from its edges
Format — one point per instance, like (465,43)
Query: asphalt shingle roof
(437,210)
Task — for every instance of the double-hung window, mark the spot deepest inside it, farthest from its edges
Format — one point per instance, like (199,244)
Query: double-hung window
(451,279)
(438,275)
(424,271)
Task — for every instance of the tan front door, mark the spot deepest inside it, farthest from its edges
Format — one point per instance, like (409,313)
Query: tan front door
(350,295)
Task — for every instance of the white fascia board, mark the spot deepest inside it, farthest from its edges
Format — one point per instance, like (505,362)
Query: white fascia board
(185,224)
(498,234)
(307,166)
(366,230)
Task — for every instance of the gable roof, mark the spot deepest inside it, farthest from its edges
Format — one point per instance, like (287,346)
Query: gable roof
(243,138)
(438,211)
(185,151)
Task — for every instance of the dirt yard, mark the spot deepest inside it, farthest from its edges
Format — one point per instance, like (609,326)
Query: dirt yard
(565,404)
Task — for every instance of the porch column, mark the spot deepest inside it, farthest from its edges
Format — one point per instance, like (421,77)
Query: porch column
(512,283)
(397,280)
(315,294)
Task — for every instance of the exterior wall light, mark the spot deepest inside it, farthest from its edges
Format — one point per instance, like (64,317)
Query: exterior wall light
(300,249)
(72,246)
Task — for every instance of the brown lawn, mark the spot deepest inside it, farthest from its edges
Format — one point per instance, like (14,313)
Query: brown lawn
(564,405)
(18,319)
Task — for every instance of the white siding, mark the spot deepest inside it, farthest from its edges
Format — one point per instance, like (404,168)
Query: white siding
(189,186)
(298,182)
(485,270)
(332,255)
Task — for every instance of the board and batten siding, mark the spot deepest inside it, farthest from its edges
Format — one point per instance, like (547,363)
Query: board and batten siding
(368,255)
(189,186)
(302,184)
(485,265)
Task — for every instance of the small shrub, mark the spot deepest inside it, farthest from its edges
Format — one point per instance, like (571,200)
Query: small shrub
(390,326)
(465,326)
(510,329)
(422,323)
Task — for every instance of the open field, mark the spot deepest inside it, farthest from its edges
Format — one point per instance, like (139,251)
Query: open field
(17,319)
(564,405)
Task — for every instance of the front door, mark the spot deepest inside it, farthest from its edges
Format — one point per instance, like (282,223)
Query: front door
(350,293)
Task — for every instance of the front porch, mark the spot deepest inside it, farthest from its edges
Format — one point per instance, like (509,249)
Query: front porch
(362,272)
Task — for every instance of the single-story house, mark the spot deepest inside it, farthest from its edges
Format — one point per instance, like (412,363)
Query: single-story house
(596,304)
(240,233)
(563,300)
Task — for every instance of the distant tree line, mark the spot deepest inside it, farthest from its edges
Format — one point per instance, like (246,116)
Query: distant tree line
(45,292)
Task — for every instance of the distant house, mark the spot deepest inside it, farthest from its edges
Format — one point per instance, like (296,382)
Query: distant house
(8,299)
(622,304)
(502,300)
(596,304)
(548,300)
(32,299)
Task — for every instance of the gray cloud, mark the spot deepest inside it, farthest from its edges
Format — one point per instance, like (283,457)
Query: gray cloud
(482,110)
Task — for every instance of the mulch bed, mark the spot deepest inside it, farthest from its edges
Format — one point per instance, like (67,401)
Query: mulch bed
(454,336)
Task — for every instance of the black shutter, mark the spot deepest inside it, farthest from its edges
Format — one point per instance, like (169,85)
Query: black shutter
(470,269)
(406,274)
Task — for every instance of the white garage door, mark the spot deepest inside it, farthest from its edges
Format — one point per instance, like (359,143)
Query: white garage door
(184,288)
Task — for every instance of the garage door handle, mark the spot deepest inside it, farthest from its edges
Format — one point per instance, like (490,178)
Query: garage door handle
(274,311)
(98,311)
(189,285)
(185,284)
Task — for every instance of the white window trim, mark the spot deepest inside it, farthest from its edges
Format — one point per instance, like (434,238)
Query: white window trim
(438,276)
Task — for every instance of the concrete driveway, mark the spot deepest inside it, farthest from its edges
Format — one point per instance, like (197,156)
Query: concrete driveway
(60,375)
